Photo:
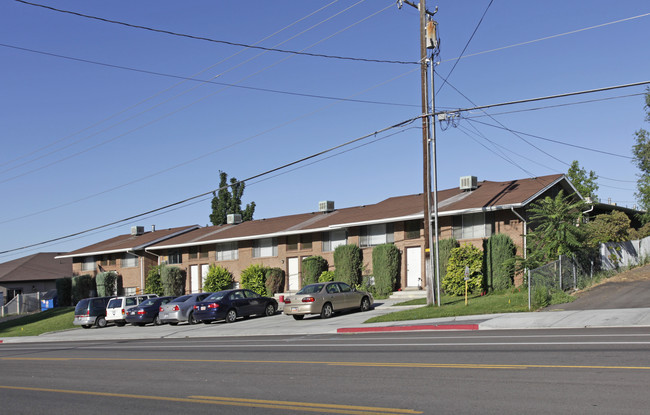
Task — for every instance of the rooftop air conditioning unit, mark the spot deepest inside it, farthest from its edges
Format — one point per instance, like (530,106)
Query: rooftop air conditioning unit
(137,230)
(233,218)
(468,183)
(326,206)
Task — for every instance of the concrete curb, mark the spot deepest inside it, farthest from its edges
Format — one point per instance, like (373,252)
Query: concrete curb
(421,327)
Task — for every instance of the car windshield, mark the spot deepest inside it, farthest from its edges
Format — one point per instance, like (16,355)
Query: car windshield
(115,302)
(181,299)
(311,289)
(216,296)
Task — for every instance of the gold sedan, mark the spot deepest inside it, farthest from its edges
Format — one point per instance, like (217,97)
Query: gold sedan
(326,298)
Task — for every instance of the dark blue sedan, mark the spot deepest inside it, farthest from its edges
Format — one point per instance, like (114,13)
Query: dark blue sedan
(229,304)
(146,312)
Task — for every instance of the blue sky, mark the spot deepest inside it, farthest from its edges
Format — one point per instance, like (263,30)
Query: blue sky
(87,144)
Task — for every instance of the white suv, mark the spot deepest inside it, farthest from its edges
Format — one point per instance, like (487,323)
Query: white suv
(117,307)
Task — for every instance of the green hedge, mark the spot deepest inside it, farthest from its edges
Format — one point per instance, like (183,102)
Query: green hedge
(254,279)
(274,281)
(173,281)
(64,291)
(106,283)
(218,279)
(153,284)
(444,252)
(347,264)
(326,276)
(454,281)
(500,251)
(385,268)
(83,286)
(312,268)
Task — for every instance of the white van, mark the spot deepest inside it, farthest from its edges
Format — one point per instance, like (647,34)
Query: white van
(118,306)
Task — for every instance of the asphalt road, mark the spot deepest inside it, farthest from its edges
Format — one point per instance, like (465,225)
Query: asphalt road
(585,371)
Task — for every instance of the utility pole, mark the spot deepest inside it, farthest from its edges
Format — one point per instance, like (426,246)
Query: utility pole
(427,41)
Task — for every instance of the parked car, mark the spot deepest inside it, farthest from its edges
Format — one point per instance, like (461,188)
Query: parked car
(181,309)
(229,304)
(91,312)
(325,299)
(147,311)
(118,306)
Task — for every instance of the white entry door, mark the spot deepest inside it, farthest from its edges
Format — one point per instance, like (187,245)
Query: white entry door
(413,266)
(294,274)
(195,278)
(204,273)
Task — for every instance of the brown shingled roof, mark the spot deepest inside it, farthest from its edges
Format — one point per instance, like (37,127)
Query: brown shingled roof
(487,196)
(41,266)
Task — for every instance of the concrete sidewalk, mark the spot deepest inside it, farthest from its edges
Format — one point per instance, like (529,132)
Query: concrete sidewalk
(353,323)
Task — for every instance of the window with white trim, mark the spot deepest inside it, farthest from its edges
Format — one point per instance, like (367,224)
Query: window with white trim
(227,251)
(88,263)
(174,257)
(372,235)
(334,238)
(472,226)
(129,260)
(266,247)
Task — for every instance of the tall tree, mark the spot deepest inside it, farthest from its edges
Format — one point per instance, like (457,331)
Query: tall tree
(228,201)
(641,152)
(584,182)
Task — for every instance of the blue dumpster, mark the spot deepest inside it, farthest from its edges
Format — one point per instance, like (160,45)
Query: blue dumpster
(47,304)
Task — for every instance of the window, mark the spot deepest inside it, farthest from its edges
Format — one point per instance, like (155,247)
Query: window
(108,261)
(412,229)
(292,242)
(174,257)
(193,252)
(266,247)
(335,238)
(472,226)
(373,235)
(130,290)
(129,260)
(227,251)
(203,251)
(305,241)
(88,263)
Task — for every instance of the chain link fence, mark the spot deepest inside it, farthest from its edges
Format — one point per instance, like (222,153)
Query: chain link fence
(563,274)
(22,304)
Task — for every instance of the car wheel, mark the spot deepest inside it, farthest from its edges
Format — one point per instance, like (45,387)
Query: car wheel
(231,316)
(157,321)
(207,321)
(269,310)
(120,324)
(173,323)
(86,326)
(327,311)
(101,322)
(141,324)
(365,304)
(298,316)
(191,319)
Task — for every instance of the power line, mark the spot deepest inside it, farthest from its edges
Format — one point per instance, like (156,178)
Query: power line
(225,42)
(465,48)
(181,202)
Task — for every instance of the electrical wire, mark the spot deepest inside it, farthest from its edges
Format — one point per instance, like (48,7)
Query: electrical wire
(225,42)
(181,202)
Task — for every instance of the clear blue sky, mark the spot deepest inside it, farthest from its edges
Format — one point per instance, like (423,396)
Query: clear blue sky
(85,144)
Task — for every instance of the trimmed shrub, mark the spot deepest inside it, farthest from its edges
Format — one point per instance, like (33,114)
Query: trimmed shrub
(312,268)
(385,268)
(83,286)
(274,281)
(153,283)
(499,266)
(347,264)
(444,252)
(218,279)
(326,276)
(106,283)
(454,281)
(64,291)
(173,281)
(254,278)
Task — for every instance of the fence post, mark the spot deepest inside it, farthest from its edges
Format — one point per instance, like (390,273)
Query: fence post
(529,281)
(591,271)
(575,278)
(560,268)
(17,303)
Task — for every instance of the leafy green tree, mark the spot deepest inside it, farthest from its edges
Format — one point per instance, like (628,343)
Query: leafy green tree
(641,152)
(608,227)
(274,280)
(312,268)
(500,251)
(554,228)
(254,278)
(444,252)
(465,256)
(584,182)
(153,284)
(228,201)
(348,264)
(173,280)
(385,267)
(217,279)
(326,276)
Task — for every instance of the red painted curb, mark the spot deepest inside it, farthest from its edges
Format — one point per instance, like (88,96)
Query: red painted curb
(409,328)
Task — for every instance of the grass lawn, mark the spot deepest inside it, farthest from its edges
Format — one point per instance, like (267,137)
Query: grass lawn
(54,319)
(505,302)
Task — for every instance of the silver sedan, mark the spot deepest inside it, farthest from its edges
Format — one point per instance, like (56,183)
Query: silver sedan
(325,298)
(181,309)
